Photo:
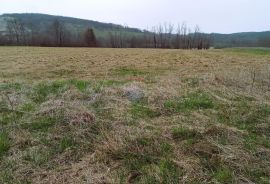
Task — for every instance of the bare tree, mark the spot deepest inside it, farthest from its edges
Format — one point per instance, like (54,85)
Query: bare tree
(147,39)
(196,39)
(155,35)
(58,29)
(180,41)
(168,30)
(16,31)
(118,39)
(184,37)
(113,39)
(161,39)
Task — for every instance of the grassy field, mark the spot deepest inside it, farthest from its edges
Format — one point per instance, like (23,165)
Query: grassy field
(79,115)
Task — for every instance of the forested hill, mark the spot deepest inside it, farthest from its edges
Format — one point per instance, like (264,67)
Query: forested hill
(246,39)
(38,31)
(43,21)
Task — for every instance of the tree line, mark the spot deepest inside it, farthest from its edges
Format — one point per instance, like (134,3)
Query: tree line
(58,35)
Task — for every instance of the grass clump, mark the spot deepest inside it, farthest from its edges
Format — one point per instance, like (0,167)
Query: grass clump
(246,116)
(7,118)
(66,143)
(146,154)
(142,111)
(44,89)
(81,85)
(258,175)
(252,141)
(28,107)
(224,175)
(36,156)
(42,124)
(180,133)
(7,175)
(170,172)
(193,101)
(4,142)
(163,171)
(10,86)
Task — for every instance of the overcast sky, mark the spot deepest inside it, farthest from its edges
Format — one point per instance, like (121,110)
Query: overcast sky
(223,16)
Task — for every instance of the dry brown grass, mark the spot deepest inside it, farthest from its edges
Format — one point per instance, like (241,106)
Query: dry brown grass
(32,63)
(203,116)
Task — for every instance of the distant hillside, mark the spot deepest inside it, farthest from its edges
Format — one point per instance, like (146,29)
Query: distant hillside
(42,23)
(246,39)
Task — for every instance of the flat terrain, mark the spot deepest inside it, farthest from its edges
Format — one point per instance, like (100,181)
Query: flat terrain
(80,115)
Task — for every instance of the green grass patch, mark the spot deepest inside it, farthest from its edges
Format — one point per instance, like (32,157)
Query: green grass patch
(252,141)
(258,175)
(180,133)
(165,170)
(170,172)
(111,83)
(251,51)
(81,85)
(10,86)
(40,124)
(224,175)
(264,110)
(9,117)
(66,143)
(143,152)
(4,142)
(42,90)
(142,111)
(7,172)
(27,107)
(246,116)
(193,101)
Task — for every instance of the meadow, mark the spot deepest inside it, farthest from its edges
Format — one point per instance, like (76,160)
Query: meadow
(96,115)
